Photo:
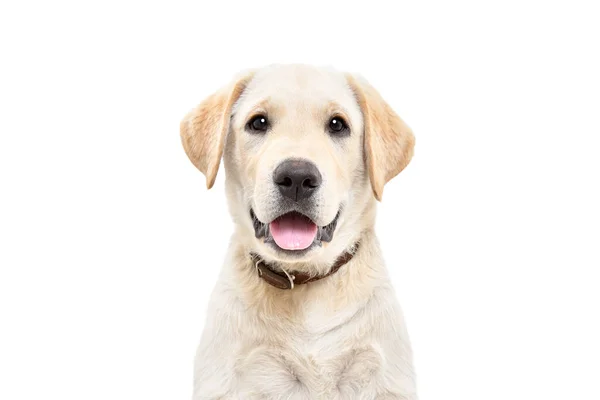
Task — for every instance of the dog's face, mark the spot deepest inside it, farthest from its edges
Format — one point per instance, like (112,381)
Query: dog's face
(306,152)
(295,155)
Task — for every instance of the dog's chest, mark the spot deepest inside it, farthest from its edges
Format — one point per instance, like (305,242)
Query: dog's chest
(324,363)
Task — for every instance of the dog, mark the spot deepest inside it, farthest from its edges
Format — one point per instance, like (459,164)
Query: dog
(303,307)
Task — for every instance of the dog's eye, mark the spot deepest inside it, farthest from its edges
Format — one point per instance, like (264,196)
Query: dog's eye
(337,125)
(258,123)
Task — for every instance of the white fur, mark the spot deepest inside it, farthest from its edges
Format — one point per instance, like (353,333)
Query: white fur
(342,337)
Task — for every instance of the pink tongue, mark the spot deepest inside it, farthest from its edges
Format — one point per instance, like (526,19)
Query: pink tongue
(293,231)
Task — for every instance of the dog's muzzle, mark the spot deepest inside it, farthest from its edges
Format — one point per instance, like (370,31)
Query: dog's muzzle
(293,231)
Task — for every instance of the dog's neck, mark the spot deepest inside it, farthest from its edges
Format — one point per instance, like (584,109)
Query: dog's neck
(287,280)
(349,288)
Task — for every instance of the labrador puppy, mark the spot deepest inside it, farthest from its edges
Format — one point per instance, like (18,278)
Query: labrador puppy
(303,308)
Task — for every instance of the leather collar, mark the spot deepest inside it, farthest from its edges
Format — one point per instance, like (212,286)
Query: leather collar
(287,280)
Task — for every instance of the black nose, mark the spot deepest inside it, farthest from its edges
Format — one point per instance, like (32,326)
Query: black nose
(297,179)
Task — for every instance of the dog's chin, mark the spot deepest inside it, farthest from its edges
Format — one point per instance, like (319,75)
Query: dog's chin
(271,250)
(292,236)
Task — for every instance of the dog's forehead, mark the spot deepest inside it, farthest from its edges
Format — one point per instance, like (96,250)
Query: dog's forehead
(298,86)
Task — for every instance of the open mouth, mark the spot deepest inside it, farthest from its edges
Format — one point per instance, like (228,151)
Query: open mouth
(293,231)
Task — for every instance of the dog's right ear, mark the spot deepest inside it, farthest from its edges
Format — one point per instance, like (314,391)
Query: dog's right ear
(203,129)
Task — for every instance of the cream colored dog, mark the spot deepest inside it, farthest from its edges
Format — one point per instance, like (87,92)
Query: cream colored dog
(303,308)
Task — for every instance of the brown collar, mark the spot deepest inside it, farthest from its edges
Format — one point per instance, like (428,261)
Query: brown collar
(287,280)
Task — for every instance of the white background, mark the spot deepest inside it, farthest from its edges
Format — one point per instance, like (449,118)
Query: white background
(110,244)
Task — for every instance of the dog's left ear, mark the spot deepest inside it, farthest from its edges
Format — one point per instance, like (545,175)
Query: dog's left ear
(388,141)
(203,129)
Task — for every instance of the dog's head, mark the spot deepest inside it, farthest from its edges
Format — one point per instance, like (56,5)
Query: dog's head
(306,151)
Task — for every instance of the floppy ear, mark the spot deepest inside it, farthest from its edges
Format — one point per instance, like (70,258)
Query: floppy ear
(388,141)
(203,129)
